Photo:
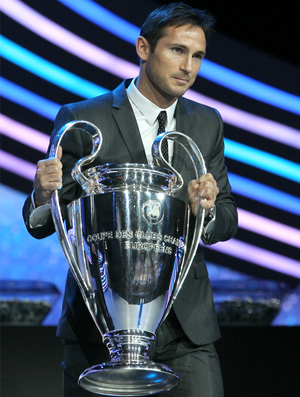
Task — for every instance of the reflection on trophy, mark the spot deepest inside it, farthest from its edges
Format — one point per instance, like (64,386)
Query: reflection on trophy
(126,243)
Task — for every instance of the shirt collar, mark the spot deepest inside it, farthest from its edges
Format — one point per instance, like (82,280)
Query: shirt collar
(146,107)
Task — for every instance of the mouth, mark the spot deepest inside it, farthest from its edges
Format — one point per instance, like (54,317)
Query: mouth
(181,80)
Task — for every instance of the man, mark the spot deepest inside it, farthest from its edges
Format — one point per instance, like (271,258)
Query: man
(171,47)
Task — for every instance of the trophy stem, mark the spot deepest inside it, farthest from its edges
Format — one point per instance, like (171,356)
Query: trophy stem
(130,371)
(128,345)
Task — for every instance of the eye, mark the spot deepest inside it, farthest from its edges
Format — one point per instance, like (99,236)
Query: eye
(198,56)
(177,50)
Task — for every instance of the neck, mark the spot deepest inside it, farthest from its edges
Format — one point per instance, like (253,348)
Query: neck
(154,95)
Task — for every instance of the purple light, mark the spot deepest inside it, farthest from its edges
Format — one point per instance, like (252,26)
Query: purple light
(266,227)
(17,166)
(26,135)
(121,68)
(70,42)
(258,256)
(250,122)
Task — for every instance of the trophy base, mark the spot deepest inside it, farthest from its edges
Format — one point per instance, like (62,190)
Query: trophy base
(128,379)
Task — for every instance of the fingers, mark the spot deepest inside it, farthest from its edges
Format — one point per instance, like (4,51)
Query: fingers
(59,152)
(52,161)
(193,188)
(49,171)
(48,178)
(208,191)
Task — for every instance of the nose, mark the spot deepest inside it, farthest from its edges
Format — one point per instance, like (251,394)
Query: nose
(187,65)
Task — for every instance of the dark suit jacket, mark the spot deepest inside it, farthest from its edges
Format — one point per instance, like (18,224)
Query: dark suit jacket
(122,143)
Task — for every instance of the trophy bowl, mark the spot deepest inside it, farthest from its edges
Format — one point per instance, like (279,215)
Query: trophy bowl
(126,245)
(133,243)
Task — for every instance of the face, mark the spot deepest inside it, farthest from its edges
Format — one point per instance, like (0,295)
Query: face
(172,68)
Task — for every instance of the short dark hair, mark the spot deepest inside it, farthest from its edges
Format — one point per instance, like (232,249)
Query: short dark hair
(175,14)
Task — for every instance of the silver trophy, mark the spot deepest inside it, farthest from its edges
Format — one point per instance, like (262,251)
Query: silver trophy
(126,244)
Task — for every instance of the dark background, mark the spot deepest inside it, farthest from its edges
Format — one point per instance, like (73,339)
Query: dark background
(269,26)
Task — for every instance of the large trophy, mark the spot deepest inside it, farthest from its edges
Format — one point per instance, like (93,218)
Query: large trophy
(126,244)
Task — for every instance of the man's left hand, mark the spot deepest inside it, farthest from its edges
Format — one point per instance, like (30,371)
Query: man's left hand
(208,191)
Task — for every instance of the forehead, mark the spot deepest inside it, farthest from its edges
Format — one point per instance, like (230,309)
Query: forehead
(186,34)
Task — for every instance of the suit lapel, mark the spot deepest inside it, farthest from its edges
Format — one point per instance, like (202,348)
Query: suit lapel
(182,118)
(124,117)
(183,124)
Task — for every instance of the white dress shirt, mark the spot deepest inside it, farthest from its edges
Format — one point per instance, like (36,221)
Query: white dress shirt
(146,113)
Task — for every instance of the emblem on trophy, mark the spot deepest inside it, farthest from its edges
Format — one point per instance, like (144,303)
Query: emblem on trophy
(152,212)
(126,244)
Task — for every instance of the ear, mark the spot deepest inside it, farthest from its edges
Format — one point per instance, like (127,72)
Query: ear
(142,48)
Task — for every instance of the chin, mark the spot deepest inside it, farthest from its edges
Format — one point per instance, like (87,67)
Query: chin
(179,93)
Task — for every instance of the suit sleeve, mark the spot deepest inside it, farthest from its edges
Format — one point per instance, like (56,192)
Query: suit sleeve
(226,212)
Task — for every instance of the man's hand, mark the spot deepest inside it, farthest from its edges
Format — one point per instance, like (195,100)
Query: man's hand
(48,178)
(208,191)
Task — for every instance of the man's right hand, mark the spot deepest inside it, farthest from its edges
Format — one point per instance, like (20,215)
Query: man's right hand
(48,178)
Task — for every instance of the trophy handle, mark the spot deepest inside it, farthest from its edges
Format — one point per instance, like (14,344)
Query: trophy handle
(199,165)
(84,283)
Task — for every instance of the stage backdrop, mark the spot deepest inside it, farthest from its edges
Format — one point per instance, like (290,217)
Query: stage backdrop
(57,52)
